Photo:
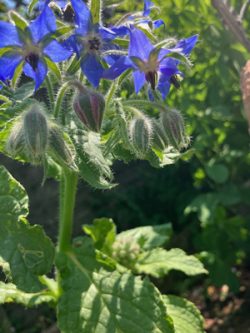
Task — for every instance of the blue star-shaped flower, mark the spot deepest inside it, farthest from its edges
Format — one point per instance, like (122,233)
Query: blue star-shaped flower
(31,48)
(89,42)
(150,64)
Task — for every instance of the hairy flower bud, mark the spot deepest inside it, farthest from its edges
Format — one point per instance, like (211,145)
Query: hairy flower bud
(160,140)
(35,129)
(59,149)
(89,107)
(15,141)
(173,125)
(125,251)
(140,133)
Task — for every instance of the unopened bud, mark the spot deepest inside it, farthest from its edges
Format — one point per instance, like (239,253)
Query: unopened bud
(15,141)
(140,133)
(160,141)
(89,107)
(59,149)
(35,129)
(126,251)
(173,125)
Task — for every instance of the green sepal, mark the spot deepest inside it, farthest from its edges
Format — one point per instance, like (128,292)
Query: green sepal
(18,20)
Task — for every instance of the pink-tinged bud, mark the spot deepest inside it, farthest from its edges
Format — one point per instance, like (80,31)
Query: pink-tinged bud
(245,88)
(89,107)
(173,125)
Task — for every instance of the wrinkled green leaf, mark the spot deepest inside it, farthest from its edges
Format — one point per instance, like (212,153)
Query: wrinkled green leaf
(27,250)
(185,315)
(103,232)
(96,300)
(159,262)
(9,294)
(149,237)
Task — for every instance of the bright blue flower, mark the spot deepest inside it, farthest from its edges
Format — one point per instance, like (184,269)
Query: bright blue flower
(89,42)
(138,19)
(150,64)
(43,3)
(30,49)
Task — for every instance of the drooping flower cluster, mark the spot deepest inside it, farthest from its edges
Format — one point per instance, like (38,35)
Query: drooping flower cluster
(31,47)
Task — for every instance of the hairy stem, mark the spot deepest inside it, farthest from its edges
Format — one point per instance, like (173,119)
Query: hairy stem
(67,202)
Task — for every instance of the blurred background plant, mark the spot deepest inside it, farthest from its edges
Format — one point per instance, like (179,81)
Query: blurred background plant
(206,194)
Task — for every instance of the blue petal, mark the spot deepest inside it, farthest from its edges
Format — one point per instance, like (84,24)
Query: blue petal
(38,75)
(83,17)
(168,67)
(139,80)
(163,85)
(73,45)
(8,35)
(121,30)
(117,68)
(8,65)
(158,23)
(147,7)
(140,45)
(56,51)
(107,34)
(44,24)
(185,46)
(92,68)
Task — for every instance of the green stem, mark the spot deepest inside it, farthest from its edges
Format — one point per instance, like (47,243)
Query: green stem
(67,202)
(60,97)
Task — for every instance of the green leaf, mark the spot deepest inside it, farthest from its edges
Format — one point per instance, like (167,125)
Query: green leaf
(96,300)
(185,315)
(103,232)
(149,237)
(25,91)
(217,172)
(159,262)
(27,250)
(9,294)
(13,198)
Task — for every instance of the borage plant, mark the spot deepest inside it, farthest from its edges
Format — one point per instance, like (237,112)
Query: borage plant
(88,117)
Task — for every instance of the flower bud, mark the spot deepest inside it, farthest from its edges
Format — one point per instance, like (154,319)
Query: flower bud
(140,133)
(174,128)
(35,129)
(59,149)
(160,141)
(89,107)
(15,141)
(125,250)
